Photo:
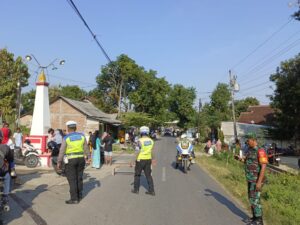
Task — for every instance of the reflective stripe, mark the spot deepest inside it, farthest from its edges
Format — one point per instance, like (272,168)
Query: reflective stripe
(75,156)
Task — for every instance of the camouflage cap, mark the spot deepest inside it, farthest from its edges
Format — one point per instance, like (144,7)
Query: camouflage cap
(251,135)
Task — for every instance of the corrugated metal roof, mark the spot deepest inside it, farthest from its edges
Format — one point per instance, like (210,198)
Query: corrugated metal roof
(87,108)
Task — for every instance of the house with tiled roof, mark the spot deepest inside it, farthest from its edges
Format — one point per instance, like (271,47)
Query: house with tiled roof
(88,117)
(259,114)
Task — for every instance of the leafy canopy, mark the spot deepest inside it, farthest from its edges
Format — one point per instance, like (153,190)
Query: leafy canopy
(12,71)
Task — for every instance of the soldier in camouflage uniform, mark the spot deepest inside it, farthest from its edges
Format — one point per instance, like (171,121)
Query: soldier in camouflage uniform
(256,161)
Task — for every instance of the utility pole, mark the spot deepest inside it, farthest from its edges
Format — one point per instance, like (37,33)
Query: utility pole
(198,119)
(18,102)
(234,87)
(120,97)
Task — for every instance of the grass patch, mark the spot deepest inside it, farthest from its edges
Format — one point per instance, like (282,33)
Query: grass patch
(280,196)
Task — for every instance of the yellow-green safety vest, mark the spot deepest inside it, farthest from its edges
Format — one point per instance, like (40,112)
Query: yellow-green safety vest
(75,142)
(146,148)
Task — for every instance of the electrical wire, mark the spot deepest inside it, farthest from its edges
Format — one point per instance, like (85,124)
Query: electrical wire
(73,6)
(262,44)
(272,58)
(257,85)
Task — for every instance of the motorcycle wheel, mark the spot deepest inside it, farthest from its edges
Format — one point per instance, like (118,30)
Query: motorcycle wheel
(31,161)
(6,208)
(185,166)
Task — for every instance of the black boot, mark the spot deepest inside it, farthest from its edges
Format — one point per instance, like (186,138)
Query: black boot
(250,219)
(257,221)
(150,193)
(72,201)
(134,191)
(80,197)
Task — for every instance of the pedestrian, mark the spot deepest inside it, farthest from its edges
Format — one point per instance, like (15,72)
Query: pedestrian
(108,142)
(96,155)
(144,160)
(256,161)
(219,145)
(58,137)
(74,152)
(51,135)
(5,133)
(18,138)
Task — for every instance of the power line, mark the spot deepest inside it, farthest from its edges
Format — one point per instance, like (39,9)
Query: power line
(281,44)
(254,86)
(68,79)
(262,44)
(272,58)
(72,4)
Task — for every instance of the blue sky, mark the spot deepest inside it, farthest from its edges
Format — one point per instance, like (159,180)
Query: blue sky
(191,42)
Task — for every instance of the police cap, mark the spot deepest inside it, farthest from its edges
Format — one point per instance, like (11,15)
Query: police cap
(71,123)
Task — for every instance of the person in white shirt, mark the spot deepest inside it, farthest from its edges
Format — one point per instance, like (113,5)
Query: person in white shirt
(18,138)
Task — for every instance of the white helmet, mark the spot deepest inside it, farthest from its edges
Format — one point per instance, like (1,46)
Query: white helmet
(144,130)
(183,136)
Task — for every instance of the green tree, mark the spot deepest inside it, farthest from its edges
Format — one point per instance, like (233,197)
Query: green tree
(243,104)
(12,71)
(219,109)
(72,92)
(181,102)
(118,77)
(138,119)
(286,100)
(151,95)
(27,100)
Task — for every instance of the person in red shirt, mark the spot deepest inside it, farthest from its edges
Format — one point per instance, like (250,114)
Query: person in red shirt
(5,133)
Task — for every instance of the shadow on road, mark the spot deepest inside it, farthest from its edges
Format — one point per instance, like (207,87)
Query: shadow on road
(24,199)
(89,184)
(226,202)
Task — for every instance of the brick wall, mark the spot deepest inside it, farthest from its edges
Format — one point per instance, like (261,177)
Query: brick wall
(61,112)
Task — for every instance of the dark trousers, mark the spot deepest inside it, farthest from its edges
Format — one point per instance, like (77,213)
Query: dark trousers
(139,167)
(74,174)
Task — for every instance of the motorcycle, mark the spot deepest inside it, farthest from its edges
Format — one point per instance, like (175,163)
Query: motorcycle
(153,135)
(54,149)
(273,157)
(28,155)
(184,155)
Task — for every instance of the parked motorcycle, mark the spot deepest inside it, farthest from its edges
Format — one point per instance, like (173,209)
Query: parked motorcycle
(28,155)
(184,156)
(54,149)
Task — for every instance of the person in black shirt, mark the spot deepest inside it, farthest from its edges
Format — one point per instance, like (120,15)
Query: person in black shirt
(108,141)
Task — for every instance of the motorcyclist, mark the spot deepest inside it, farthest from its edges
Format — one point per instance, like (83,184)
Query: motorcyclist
(184,141)
(6,159)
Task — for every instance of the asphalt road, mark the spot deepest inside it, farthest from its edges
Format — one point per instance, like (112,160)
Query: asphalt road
(193,198)
(291,161)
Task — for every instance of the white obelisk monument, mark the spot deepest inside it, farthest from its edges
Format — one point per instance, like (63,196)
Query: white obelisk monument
(41,114)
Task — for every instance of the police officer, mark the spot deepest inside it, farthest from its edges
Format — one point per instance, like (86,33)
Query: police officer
(73,152)
(256,161)
(144,160)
